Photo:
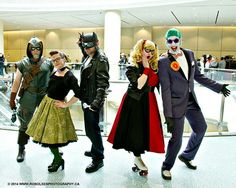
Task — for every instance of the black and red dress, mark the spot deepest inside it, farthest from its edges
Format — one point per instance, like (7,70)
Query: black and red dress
(137,126)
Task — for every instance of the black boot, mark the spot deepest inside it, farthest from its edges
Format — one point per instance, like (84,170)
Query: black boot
(22,141)
(21,154)
(61,153)
(56,165)
(94,166)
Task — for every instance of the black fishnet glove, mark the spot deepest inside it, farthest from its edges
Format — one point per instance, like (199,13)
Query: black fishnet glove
(225,91)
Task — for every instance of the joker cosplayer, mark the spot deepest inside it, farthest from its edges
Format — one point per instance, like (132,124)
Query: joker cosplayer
(177,72)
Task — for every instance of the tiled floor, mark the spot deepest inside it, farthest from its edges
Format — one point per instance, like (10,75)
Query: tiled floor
(216,166)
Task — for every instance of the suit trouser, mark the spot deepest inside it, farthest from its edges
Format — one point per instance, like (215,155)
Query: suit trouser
(92,129)
(198,124)
(24,116)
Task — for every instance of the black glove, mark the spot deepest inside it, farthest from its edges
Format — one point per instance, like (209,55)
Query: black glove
(225,91)
(94,106)
(170,124)
(79,42)
(13,117)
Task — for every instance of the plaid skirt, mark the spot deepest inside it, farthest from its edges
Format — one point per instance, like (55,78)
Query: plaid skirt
(51,126)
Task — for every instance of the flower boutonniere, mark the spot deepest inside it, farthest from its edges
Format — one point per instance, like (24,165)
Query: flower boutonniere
(175,65)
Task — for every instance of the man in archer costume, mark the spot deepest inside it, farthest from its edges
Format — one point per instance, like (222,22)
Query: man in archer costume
(177,72)
(31,82)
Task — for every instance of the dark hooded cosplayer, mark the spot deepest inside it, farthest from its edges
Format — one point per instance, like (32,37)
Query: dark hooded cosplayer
(30,83)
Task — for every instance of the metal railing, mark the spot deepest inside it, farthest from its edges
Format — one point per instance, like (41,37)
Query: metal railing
(218,110)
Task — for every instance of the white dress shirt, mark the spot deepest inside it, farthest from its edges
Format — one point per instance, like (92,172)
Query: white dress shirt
(183,64)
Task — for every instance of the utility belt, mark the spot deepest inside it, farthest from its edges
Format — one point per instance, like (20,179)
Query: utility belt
(38,90)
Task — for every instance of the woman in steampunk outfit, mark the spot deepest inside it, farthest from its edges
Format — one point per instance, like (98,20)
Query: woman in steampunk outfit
(31,81)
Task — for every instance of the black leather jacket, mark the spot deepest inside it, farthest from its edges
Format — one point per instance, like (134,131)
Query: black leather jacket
(94,80)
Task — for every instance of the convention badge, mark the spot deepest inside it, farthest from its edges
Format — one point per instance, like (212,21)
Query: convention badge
(175,65)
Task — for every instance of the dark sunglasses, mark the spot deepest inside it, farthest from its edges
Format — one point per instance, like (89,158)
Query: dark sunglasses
(169,41)
(35,48)
(148,50)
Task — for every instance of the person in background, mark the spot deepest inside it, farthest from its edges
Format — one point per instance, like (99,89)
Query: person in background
(122,65)
(209,60)
(222,63)
(2,60)
(31,82)
(94,82)
(6,65)
(177,72)
(52,125)
(214,63)
(137,127)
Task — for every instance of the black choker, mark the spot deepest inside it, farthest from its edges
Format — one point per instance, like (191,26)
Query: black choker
(63,68)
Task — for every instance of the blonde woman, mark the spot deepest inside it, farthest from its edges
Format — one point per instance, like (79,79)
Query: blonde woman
(137,126)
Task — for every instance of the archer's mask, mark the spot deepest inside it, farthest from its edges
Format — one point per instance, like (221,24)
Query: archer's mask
(34,44)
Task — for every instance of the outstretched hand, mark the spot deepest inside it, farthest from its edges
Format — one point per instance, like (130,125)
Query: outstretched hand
(225,91)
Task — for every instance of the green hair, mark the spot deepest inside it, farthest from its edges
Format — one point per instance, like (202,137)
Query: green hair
(173,32)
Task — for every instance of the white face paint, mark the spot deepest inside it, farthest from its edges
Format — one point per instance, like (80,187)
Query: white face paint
(173,44)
